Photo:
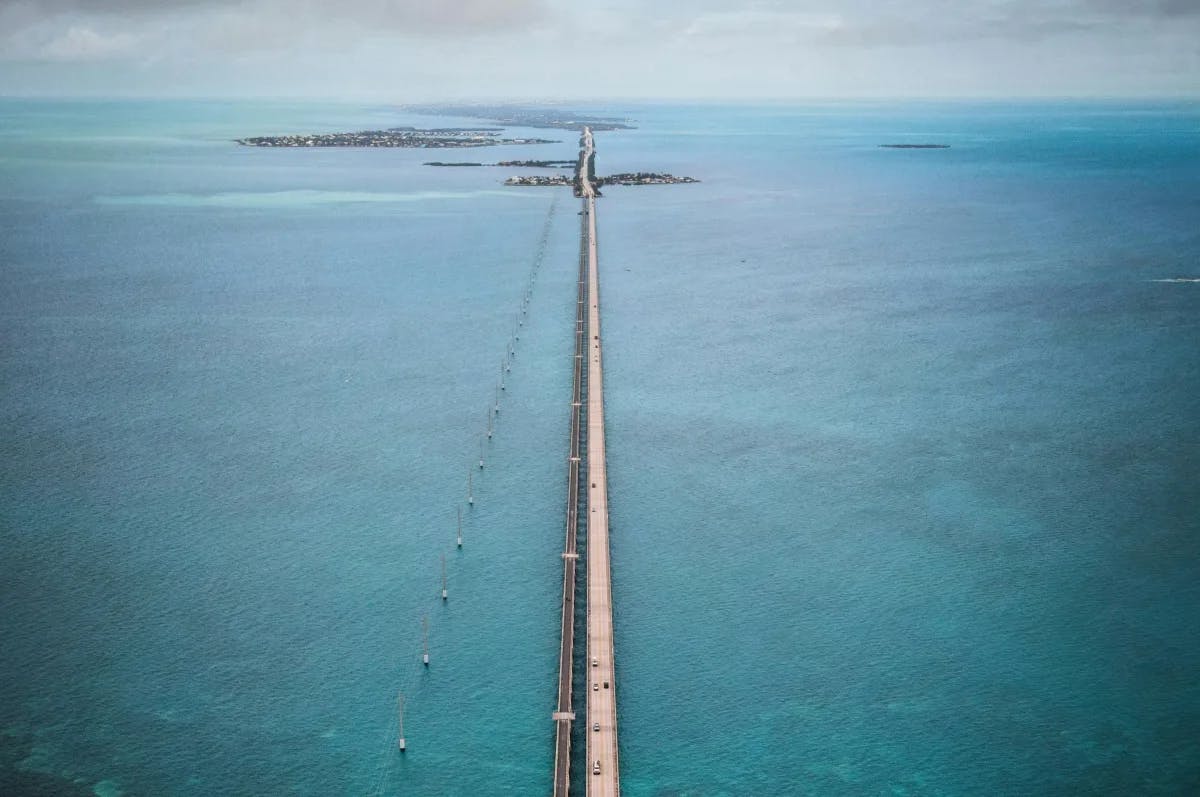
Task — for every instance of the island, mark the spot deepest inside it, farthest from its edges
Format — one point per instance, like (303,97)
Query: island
(563,164)
(915,146)
(541,179)
(643,178)
(629,178)
(523,164)
(436,138)
(514,116)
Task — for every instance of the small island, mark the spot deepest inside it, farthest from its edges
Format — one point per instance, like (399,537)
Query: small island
(629,178)
(522,164)
(541,179)
(436,138)
(563,164)
(915,146)
(644,178)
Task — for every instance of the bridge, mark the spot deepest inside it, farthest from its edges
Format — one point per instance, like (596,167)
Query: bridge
(602,773)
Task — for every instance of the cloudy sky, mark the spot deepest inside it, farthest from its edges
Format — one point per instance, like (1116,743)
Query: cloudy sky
(412,50)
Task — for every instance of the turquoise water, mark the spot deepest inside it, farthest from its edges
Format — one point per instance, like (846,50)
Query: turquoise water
(901,448)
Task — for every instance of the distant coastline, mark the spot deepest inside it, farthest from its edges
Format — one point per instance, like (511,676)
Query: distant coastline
(513,116)
(434,138)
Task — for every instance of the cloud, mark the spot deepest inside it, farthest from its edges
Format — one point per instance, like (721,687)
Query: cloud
(79,43)
(193,30)
(430,49)
(1163,9)
(763,24)
(887,23)
(414,15)
(45,8)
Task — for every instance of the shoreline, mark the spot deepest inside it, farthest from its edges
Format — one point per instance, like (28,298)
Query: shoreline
(406,137)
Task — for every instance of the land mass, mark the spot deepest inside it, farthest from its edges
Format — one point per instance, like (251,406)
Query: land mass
(564,164)
(628,178)
(523,164)
(436,138)
(525,117)
(643,178)
(468,130)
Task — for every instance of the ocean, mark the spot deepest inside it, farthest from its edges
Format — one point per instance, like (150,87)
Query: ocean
(902,451)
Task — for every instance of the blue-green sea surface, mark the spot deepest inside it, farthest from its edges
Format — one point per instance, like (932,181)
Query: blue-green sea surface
(902,451)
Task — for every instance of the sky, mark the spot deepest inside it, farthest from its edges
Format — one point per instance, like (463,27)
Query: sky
(429,50)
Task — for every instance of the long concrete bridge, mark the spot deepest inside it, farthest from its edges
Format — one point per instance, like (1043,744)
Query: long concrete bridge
(602,769)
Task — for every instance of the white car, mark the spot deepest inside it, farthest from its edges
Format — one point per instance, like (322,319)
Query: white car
(596,767)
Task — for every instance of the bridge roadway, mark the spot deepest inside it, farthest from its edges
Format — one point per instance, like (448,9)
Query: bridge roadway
(601,773)
(565,712)
(602,691)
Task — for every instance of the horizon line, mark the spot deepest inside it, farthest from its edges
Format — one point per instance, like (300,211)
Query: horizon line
(559,100)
